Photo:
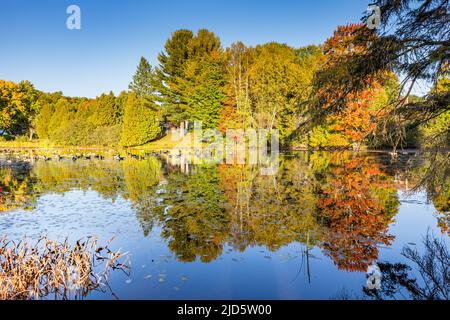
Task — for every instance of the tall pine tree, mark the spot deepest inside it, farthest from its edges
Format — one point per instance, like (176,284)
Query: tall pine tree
(205,93)
(191,77)
(143,80)
(171,72)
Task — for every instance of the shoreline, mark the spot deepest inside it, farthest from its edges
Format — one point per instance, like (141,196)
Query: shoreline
(4,148)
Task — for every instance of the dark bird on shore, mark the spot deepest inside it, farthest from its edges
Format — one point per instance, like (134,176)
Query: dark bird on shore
(132,155)
(118,157)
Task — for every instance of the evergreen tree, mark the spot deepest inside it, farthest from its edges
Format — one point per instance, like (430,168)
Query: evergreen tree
(203,44)
(46,102)
(62,115)
(121,101)
(43,119)
(143,80)
(140,123)
(107,111)
(171,71)
(202,86)
(207,98)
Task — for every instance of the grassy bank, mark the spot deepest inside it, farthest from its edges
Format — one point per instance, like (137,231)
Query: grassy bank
(165,143)
(34,144)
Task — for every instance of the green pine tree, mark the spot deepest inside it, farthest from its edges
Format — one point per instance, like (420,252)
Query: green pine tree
(143,80)
(207,98)
(170,73)
(184,76)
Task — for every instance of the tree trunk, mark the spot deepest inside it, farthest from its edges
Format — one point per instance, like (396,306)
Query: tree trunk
(31,132)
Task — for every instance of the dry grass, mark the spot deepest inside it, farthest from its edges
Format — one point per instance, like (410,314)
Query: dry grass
(47,269)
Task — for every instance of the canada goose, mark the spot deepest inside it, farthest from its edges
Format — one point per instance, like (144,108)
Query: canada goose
(118,157)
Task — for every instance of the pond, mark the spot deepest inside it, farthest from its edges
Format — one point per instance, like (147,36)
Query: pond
(317,229)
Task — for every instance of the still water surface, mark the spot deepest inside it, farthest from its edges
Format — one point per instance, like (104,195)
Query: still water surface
(228,232)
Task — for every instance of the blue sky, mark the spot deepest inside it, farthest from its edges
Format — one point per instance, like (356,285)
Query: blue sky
(103,55)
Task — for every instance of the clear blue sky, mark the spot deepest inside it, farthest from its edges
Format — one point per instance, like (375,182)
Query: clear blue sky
(102,56)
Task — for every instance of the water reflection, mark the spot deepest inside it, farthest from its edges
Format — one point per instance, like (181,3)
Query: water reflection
(357,201)
(16,188)
(432,281)
(342,203)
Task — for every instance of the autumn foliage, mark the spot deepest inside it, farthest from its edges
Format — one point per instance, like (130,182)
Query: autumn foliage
(351,206)
(346,116)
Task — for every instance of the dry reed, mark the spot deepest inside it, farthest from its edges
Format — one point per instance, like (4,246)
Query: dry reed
(48,269)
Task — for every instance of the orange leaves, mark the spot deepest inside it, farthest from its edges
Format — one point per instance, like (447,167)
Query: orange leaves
(347,41)
(356,218)
(344,105)
(229,118)
(357,118)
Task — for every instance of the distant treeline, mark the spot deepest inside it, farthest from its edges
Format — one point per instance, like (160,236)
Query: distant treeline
(272,86)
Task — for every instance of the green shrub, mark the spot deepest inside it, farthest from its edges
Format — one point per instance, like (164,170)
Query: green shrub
(73,133)
(140,122)
(106,136)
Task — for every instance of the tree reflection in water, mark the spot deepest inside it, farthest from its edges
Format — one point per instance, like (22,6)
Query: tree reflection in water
(356,204)
(16,187)
(193,215)
(433,281)
(441,202)
(342,203)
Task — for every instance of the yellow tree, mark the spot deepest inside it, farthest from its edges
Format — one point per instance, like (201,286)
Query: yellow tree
(17,107)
